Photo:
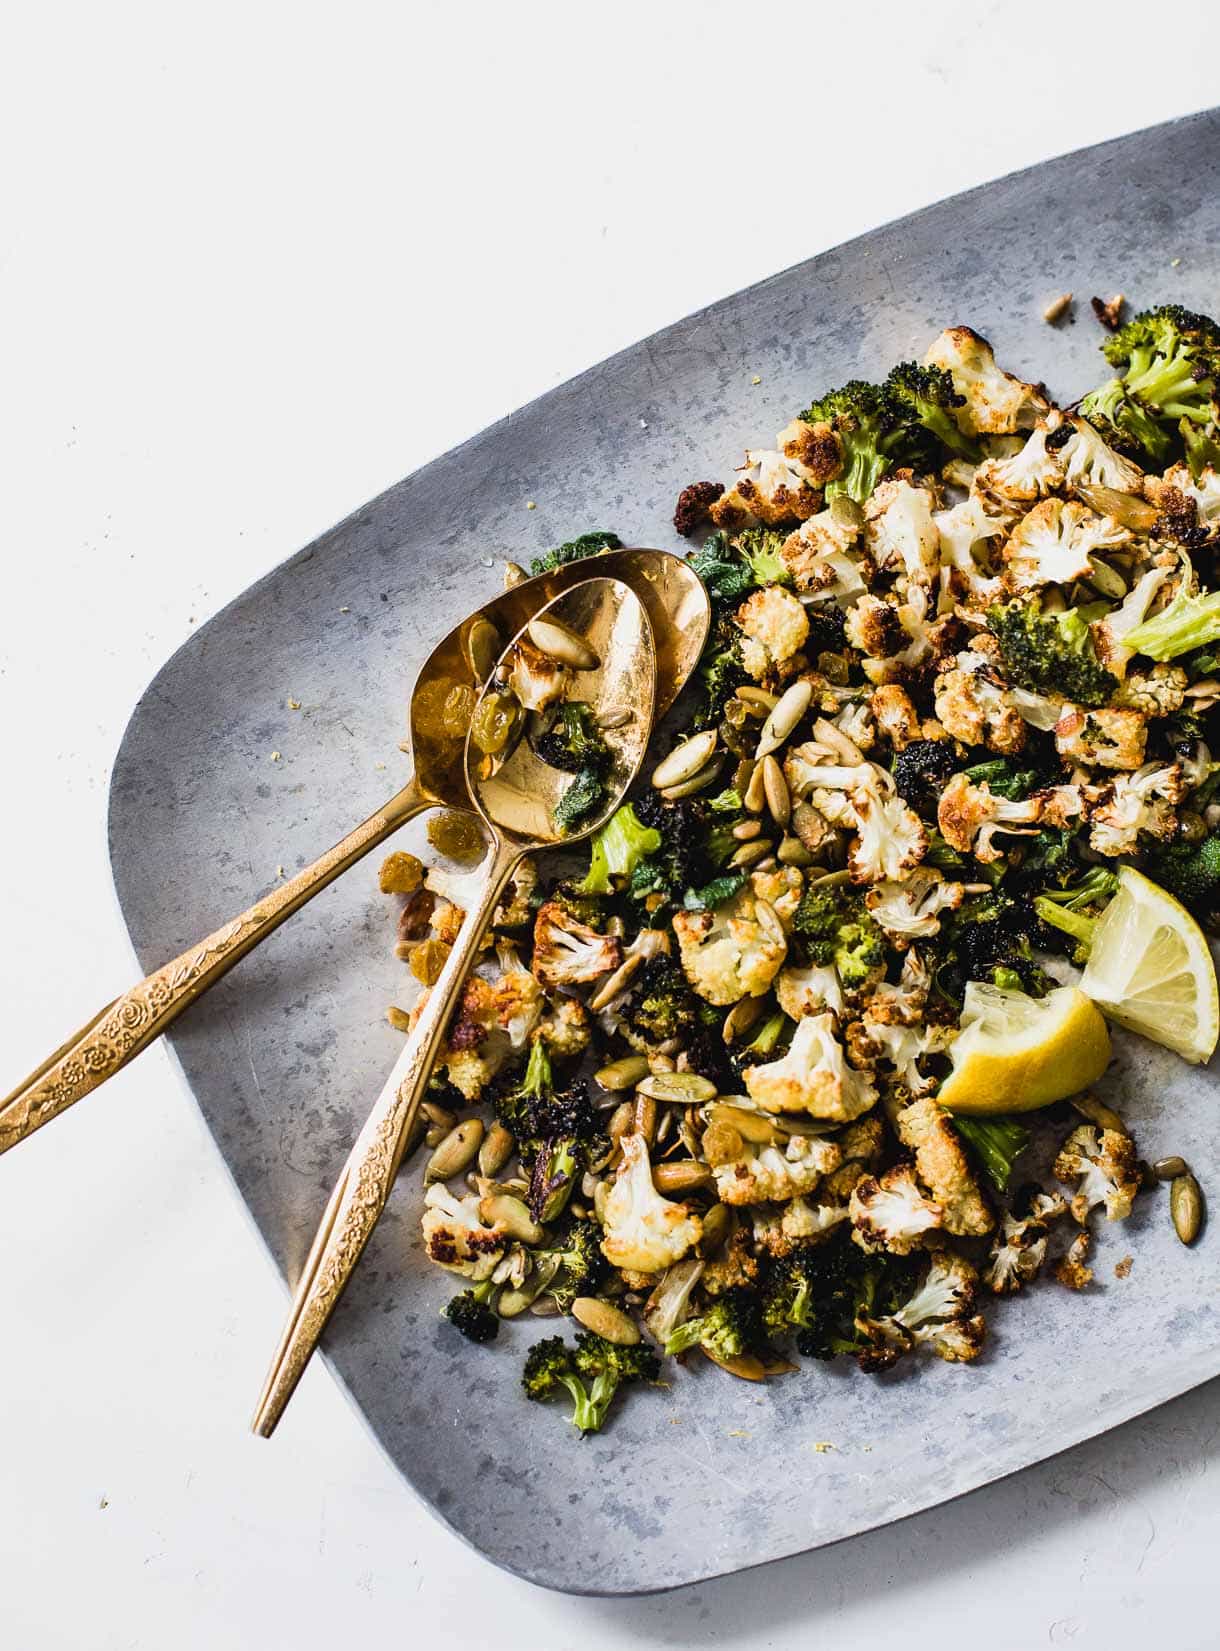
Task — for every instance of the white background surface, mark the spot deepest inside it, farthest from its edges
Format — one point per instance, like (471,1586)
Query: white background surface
(256,263)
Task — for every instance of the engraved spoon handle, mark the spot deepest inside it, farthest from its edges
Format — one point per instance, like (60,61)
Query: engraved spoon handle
(364,1184)
(119,1031)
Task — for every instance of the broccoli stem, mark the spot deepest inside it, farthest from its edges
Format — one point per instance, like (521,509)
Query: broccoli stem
(997,1143)
(1071,922)
(1188,622)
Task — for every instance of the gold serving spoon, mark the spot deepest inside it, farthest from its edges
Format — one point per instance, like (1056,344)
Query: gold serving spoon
(677,607)
(516,794)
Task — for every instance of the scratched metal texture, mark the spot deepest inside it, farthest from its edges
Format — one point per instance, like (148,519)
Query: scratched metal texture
(285,1056)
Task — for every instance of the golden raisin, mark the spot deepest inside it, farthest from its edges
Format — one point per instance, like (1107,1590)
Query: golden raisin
(400,873)
(428,708)
(456,835)
(456,713)
(495,722)
(398,1018)
(427,961)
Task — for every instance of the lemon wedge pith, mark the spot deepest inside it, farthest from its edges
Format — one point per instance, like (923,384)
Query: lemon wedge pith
(1150,969)
(1016,1053)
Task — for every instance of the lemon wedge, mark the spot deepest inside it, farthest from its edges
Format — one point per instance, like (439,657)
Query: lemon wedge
(1150,969)
(1015,1052)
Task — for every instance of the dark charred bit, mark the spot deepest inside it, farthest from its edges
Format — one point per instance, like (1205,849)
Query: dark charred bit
(1060,436)
(415,915)
(467,1034)
(1109,311)
(694,504)
(1179,518)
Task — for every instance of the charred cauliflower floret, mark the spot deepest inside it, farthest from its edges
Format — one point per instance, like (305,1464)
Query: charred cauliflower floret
(777,1232)
(814,447)
(942,1166)
(895,714)
(644,1232)
(1110,631)
(770,489)
(939,1316)
(1157,692)
(813,1076)
(733,952)
(967,532)
(774,628)
(1018,1249)
(1105,1169)
(1054,544)
(890,1212)
(455,1234)
(970,817)
(750,1172)
(477,1044)
(519,1001)
(891,839)
(536,678)
(567,951)
(873,626)
(516,906)
(1022,477)
(565,1028)
(996,403)
(910,910)
(809,991)
(1103,738)
(975,704)
(1137,805)
(900,533)
(822,560)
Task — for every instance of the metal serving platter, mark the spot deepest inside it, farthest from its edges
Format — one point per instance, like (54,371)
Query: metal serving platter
(285,1056)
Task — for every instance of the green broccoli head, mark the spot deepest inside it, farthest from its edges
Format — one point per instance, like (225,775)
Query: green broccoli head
(928,398)
(834,927)
(586,544)
(1166,362)
(1050,653)
(819,1290)
(579,1265)
(549,1371)
(991,938)
(582,799)
(731,1326)
(760,546)
(922,769)
(591,1374)
(662,1005)
(470,1313)
(872,432)
(1191,871)
(573,741)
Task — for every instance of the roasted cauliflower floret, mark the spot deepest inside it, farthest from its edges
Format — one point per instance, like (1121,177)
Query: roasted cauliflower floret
(733,952)
(970,817)
(940,1316)
(1135,805)
(519,1002)
(644,1232)
(814,447)
(1103,738)
(455,1234)
(891,1213)
(966,549)
(779,1232)
(536,678)
(477,1044)
(975,704)
(874,627)
(820,556)
(996,403)
(1105,1169)
(774,628)
(942,1166)
(1018,1249)
(781,889)
(1157,692)
(567,951)
(1110,631)
(516,903)
(891,839)
(770,489)
(813,1076)
(809,991)
(1022,477)
(910,910)
(565,1028)
(900,533)
(895,714)
(756,1173)
(1055,542)
(1087,460)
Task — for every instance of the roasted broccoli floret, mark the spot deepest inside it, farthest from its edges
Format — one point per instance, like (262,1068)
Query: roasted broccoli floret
(1191,871)
(922,769)
(470,1313)
(760,547)
(996,1143)
(604,1367)
(553,1128)
(1166,361)
(1074,910)
(991,939)
(618,848)
(583,797)
(820,1290)
(834,927)
(1188,622)
(1051,653)
(1005,778)
(727,575)
(928,398)
(731,1327)
(580,1266)
(872,431)
(681,860)
(662,1005)
(573,741)
(586,544)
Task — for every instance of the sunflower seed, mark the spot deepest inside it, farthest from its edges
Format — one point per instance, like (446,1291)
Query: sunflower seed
(456,1151)
(792,852)
(706,776)
(666,1127)
(677,1088)
(483,647)
(496,1150)
(617,982)
(621,1120)
(622,1074)
(501,1209)
(1168,1169)
(605,1320)
(755,795)
(439,1115)
(685,761)
(680,1175)
(744,830)
(1186,1207)
(749,854)
(741,1017)
(645,1117)
(617,718)
(561,643)
(775,788)
(793,703)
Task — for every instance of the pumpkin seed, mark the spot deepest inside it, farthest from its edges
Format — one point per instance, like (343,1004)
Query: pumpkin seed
(680,1175)
(688,788)
(546,1307)
(741,1017)
(616,982)
(744,830)
(775,787)
(561,643)
(622,1074)
(1186,1207)
(768,864)
(514,575)
(496,1150)
(757,696)
(483,647)
(742,775)
(1097,1112)
(434,1136)
(717,1225)
(743,1365)
(606,1320)
(750,1126)
(501,1209)
(440,1115)
(792,852)
(515,1301)
(1168,1169)
(456,1152)
(793,703)
(749,854)
(677,1088)
(845,511)
(685,761)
